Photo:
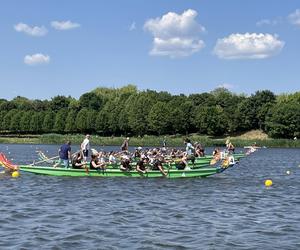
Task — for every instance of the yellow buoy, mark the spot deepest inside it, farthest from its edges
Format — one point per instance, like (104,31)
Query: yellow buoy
(268,183)
(288,172)
(15,174)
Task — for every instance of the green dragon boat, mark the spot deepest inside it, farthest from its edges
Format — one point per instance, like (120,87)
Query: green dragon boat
(171,173)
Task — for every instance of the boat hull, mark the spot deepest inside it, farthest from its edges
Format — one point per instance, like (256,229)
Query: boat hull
(201,172)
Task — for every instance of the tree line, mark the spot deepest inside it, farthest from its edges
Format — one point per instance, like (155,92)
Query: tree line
(128,111)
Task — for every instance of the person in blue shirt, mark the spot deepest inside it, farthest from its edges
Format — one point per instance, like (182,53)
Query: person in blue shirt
(64,155)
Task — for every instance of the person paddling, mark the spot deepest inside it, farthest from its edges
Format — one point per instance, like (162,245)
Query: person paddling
(95,164)
(140,165)
(77,162)
(229,146)
(158,165)
(64,155)
(125,163)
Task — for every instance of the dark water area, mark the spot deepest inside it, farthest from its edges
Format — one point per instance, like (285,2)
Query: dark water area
(231,210)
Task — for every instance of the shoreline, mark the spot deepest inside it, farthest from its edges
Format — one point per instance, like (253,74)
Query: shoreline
(151,141)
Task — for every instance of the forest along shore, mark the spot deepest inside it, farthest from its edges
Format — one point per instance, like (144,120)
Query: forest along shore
(151,141)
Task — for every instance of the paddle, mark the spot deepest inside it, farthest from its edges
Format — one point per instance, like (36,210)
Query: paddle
(52,158)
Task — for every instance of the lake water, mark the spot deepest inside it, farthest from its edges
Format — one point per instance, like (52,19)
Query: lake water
(231,210)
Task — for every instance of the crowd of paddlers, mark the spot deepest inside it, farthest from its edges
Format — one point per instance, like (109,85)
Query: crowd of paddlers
(141,160)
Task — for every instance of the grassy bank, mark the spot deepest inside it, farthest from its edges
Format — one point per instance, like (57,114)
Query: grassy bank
(238,141)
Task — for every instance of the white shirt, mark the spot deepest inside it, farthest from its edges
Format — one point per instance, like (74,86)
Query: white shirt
(85,145)
(112,159)
(189,148)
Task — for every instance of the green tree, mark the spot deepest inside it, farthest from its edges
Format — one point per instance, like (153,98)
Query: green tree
(211,120)
(204,99)
(177,121)
(25,121)
(102,122)
(159,119)
(22,103)
(71,122)
(60,121)
(283,120)
(59,102)
(82,121)
(36,122)
(138,107)
(48,123)
(7,119)
(90,101)
(15,124)
(2,115)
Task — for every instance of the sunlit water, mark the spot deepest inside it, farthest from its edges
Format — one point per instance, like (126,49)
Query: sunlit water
(232,210)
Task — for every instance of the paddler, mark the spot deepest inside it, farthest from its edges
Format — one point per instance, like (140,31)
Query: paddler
(158,165)
(229,146)
(77,162)
(216,154)
(140,165)
(125,163)
(95,164)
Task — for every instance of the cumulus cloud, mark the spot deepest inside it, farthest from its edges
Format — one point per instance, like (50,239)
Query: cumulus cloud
(64,25)
(36,59)
(248,46)
(294,17)
(175,35)
(32,31)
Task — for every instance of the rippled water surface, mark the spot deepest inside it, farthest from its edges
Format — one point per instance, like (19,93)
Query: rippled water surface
(232,210)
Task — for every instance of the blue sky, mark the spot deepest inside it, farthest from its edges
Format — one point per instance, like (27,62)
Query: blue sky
(55,47)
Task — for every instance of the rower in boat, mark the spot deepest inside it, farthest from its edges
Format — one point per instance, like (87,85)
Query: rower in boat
(77,161)
(112,159)
(199,150)
(137,153)
(125,163)
(95,164)
(183,163)
(158,165)
(229,146)
(140,165)
(216,154)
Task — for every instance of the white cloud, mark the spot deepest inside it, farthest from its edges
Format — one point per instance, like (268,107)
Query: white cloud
(248,46)
(132,26)
(36,59)
(226,86)
(64,25)
(175,35)
(32,31)
(176,47)
(294,17)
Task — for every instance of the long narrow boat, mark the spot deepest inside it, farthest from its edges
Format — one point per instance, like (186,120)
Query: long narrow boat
(236,156)
(172,173)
